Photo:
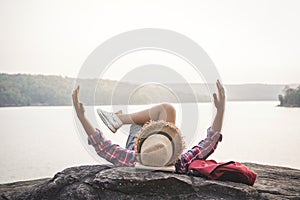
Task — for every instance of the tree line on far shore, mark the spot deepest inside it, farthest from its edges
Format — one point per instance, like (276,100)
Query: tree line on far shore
(28,90)
(50,90)
(291,97)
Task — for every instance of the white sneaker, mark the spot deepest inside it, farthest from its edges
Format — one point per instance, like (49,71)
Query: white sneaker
(111,120)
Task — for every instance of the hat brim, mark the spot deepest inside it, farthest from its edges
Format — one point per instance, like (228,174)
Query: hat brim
(161,126)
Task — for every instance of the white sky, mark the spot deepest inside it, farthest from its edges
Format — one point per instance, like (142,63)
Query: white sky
(250,41)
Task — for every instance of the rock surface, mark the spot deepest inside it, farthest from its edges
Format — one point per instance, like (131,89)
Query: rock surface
(108,182)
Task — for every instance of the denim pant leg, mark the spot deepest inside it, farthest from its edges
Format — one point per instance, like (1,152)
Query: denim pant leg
(134,129)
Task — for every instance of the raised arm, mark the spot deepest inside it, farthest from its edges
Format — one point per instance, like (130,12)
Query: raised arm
(80,111)
(103,147)
(220,105)
(207,146)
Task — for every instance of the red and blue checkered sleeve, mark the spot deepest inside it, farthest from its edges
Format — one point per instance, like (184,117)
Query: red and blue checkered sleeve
(204,148)
(111,152)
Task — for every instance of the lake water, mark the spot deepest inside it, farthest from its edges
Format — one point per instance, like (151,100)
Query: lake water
(38,142)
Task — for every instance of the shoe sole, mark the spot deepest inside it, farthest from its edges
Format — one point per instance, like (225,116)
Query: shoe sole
(106,122)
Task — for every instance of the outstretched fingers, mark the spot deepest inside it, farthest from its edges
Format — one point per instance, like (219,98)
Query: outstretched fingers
(76,102)
(219,99)
(75,96)
(221,90)
(79,107)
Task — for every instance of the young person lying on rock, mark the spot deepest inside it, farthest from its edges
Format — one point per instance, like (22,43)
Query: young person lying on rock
(156,140)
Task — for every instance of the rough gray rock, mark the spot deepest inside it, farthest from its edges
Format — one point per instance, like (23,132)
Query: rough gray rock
(108,182)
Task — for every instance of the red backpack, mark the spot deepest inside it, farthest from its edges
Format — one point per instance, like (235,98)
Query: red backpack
(229,171)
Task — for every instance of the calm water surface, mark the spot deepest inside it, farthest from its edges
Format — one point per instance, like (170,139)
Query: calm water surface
(38,142)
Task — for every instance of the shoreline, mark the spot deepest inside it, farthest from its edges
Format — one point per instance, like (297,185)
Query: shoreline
(288,106)
(187,102)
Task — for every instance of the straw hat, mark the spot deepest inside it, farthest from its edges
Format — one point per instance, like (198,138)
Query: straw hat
(159,143)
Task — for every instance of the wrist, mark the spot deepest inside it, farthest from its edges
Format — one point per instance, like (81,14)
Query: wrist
(81,116)
(221,110)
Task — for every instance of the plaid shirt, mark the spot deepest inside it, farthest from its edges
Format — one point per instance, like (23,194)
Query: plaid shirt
(123,157)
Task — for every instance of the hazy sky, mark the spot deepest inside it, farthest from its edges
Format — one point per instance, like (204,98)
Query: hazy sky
(250,41)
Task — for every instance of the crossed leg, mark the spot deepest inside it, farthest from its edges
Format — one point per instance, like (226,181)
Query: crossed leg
(162,111)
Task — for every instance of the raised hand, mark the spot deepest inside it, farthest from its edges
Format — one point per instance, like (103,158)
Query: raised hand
(219,99)
(77,104)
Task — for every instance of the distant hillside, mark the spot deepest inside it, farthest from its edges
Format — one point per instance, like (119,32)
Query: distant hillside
(254,92)
(31,90)
(26,90)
